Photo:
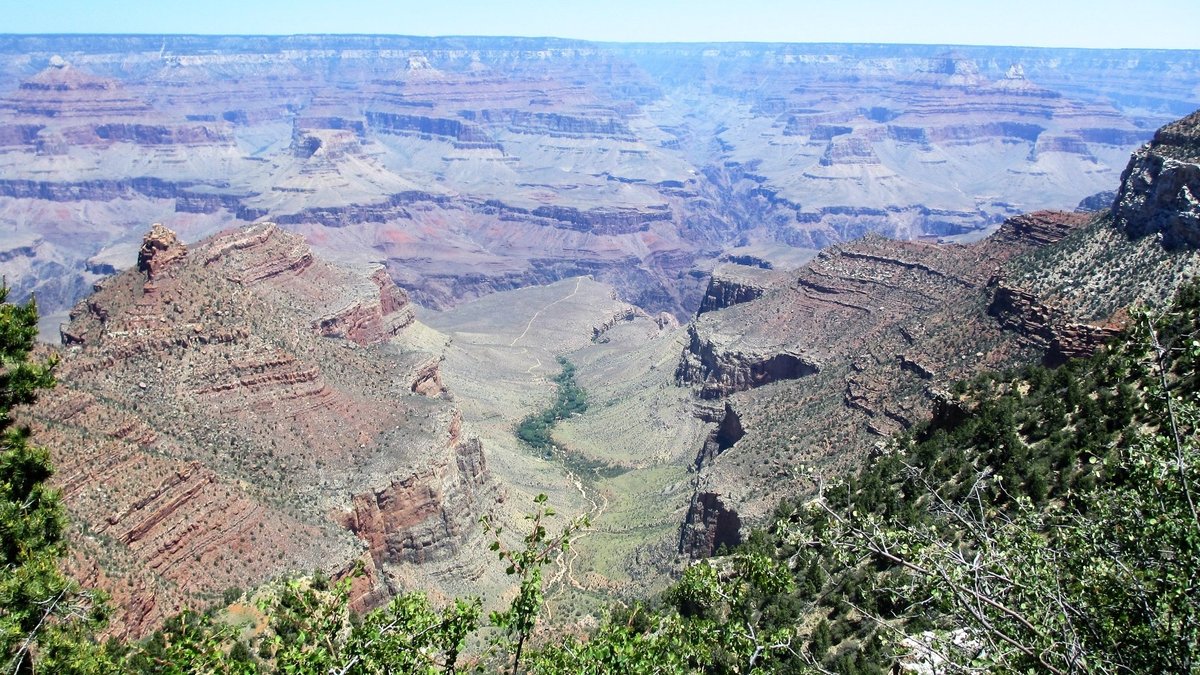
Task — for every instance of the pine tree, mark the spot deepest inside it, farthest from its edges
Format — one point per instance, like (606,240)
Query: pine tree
(34,594)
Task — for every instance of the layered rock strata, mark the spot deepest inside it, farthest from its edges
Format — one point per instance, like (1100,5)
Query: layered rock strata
(237,409)
(893,323)
(470,165)
(851,347)
(732,284)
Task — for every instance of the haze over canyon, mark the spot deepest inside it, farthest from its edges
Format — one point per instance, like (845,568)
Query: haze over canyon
(469,165)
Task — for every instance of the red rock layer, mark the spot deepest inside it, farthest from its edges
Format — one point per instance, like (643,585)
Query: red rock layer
(220,401)
(419,517)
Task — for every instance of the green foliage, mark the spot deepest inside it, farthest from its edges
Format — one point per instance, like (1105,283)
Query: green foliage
(1050,523)
(314,633)
(430,642)
(1043,521)
(188,643)
(639,641)
(40,610)
(570,399)
(711,621)
(517,622)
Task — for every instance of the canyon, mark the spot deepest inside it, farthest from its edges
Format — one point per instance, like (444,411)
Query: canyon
(808,377)
(471,165)
(304,288)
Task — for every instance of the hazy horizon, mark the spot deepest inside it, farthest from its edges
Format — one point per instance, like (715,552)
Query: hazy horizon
(1095,24)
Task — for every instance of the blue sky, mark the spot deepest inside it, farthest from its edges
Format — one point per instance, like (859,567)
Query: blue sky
(1173,24)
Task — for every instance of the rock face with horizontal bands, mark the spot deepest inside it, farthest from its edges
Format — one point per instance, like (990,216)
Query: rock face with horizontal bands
(504,162)
(839,354)
(732,284)
(893,324)
(421,517)
(222,408)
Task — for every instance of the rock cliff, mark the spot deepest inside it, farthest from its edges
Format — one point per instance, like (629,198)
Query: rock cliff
(1160,188)
(732,284)
(891,323)
(1047,327)
(506,162)
(842,352)
(709,526)
(236,409)
(1070,297)
(422,517)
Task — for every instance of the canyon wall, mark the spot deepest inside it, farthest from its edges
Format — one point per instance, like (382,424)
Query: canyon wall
(238,409)
(470,165)
(802,381)
(892,324)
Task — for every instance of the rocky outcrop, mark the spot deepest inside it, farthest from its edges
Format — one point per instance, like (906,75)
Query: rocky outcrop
(1065,143)
(260,254)
(1101,201)
(147,134)
(871,328)
(187,194)
(64,91)
(709,525)
(18,252)
(1041,227)
(423,516)
(160,250)
(966,133)
(232,418)
(849,149)
(367,320)
(727,433)
(718,373)
(603,221)
(1160,188)
(731,285)
(842,298)
(19,134)
(1048,328)
(173,527)
(428,379)
(625,315)
(567,125)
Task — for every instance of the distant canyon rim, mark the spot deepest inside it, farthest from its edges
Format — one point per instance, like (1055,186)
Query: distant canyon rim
(471,165)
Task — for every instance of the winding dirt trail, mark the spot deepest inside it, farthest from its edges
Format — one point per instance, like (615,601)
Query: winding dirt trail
(537,362)
(533,318)
(563,576)
(594,514)
(566,561)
